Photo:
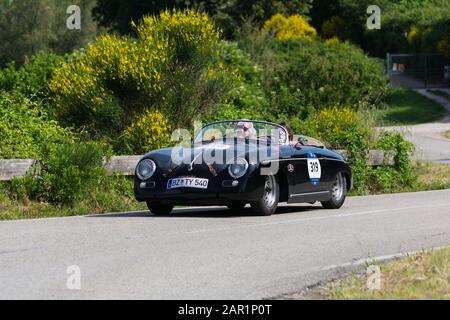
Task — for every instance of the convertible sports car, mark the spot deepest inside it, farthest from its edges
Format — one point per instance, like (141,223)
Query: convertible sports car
(238,162)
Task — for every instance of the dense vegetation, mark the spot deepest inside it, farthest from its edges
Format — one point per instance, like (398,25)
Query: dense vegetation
(407,25)
(124,94)
(227,14)
(30,26)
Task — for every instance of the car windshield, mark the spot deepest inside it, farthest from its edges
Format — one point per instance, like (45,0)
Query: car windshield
(243,129)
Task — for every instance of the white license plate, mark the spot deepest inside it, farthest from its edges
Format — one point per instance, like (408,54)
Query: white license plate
(197,183)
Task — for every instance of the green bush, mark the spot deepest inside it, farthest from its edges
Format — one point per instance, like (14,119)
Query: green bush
(25,128)
(302,77)
(30,79)
(9,77)
(150,131)
(342,129)
(345,129)
(312,76)
(245,98)
(113,194)
(69,172)
(402,174)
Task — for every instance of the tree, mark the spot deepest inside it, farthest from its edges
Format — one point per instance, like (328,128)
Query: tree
(406,25)
(117,15)
(411,26)
(227,14)
(30,26)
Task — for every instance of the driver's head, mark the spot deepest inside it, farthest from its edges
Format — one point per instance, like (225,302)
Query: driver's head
(288,129)
(245,130)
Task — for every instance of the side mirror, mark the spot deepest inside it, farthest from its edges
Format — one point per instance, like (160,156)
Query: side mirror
(302,141)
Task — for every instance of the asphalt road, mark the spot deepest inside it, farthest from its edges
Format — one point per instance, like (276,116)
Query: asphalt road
(211,253)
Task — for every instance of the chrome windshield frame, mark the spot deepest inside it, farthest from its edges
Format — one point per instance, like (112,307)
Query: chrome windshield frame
(244,120)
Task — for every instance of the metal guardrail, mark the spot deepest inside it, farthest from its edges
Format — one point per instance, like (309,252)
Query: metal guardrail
(125,165)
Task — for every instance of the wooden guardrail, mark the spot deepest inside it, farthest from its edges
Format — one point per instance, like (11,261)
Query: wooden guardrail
(125,165)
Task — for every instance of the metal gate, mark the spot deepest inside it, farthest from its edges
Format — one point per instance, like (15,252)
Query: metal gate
(418,70)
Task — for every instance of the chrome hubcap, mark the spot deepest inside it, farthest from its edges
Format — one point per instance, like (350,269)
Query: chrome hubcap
(338,188)
(269,192)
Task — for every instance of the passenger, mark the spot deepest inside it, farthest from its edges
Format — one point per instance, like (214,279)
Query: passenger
(289,131)
(245,130)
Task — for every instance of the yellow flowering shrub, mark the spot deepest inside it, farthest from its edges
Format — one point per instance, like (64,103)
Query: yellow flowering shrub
(294,27)
(332,123)
(113,66)
(430,39)
(443,47)
(149,131)
(345,129)
(342,129)
(171,65)
(179,31)
(332,42)
(413,36)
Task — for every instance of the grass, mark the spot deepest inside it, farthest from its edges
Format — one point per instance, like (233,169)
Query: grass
(429,176)
(404,107)
(432,176)
(446,134)
(425,275)
(118,198)
(19,210)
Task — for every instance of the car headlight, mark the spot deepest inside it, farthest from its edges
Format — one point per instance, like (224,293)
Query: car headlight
(238,168)
(145,169)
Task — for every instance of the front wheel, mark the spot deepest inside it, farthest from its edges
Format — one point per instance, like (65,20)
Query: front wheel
(338,193)
(159,209)
(268,203)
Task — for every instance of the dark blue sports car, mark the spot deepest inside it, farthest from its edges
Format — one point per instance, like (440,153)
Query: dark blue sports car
(238,162)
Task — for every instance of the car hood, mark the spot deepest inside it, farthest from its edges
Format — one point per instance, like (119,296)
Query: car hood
(217,154)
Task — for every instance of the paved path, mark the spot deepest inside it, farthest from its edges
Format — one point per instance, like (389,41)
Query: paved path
(430,144)
(444,101)
(209,253)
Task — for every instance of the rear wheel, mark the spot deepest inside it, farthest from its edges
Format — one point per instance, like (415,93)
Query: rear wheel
(268,203)
(159,209)
(338,193)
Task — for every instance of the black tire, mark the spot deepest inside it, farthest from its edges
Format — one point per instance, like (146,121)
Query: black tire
(268,203)
(159,209)
(236,205)
(338,192)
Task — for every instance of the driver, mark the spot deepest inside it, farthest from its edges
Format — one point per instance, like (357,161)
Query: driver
(289,130)
(245,130)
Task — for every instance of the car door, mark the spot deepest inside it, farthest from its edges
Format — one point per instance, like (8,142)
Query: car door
(308,167)
(329,168)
